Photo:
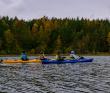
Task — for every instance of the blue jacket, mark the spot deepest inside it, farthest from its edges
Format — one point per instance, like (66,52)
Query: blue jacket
(23,57)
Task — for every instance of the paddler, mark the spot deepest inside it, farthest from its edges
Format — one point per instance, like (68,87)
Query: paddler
(59,57)
(73,56)
(42,56)
(23,56)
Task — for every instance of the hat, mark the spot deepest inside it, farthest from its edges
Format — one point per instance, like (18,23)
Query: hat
(41,52)
(72,52)
(23,51)
(58,52)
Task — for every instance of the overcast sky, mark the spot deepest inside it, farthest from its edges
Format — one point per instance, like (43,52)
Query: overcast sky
(32,9)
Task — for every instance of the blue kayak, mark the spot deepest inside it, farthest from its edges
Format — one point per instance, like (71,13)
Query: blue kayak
(66,61)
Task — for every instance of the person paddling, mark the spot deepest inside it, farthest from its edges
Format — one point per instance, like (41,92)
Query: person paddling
(59,57)
(42,56)
(23,56)
(73,56)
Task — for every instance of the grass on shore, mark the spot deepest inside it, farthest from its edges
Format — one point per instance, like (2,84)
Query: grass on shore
(98,54)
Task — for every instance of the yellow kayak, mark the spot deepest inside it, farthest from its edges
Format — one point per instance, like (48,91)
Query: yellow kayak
(21,61)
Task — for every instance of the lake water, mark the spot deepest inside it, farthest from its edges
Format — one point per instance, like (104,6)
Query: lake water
(93,77)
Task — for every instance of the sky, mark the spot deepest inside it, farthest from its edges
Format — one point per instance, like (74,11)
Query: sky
(35,9)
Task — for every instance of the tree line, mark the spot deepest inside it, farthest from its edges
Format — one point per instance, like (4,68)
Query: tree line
(52,35)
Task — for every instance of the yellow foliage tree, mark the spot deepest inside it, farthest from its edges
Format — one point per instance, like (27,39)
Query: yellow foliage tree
(68,50)
(41,40)
(79,44)
(16,49)
(0,43)
(47,29)
(93,51)
(9,38)
(47,33)
(83,44)
(66,22)
(57,44)
(88,22)
(34,32)
(108,39)
(40,36)
(55,23)
(32,51)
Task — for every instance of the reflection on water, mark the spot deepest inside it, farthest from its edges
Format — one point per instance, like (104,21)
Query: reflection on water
(56,78)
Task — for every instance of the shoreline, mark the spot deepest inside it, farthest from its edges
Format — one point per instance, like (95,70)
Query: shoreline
(99,54)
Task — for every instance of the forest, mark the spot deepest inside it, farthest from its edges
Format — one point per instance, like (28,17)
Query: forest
(84,36)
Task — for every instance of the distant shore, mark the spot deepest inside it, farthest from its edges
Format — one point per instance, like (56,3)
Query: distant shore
(98,54)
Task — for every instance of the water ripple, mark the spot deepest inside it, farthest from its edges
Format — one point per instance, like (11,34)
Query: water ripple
(56,78)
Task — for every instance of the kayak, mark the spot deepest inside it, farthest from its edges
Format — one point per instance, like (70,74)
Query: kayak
(66,61)
(21,61)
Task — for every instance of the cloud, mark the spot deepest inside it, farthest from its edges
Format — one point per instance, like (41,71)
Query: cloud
(12,8)
(30,9)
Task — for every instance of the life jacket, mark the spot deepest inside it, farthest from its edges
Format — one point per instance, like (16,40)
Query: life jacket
(41,56)
(58,57)
(71,56)
(23,57)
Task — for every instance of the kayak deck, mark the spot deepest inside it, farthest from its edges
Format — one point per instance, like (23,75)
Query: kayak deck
(66,61)
(22,61)
(48,61)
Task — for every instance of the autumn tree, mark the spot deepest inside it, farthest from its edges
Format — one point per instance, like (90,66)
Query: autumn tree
(0,44)
(41,41)
(9,40)
(34,32)
(108,39)
(22,34)
(52,35)
(56,23)
(57,44)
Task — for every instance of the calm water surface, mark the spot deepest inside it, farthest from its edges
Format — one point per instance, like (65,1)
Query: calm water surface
(93,77)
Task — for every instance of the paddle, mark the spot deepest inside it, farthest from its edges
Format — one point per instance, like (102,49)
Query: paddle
(36,58)
(63,57)
(1,61)
(81,57)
